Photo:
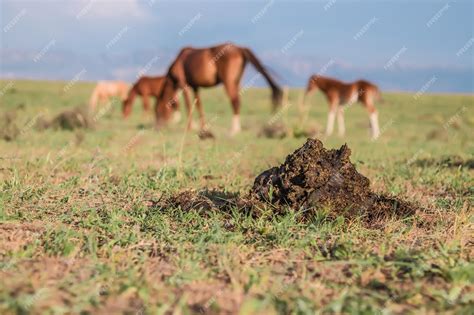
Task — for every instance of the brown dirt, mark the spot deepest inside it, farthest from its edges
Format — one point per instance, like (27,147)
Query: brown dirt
(15,236)
(312,179)
(437,134)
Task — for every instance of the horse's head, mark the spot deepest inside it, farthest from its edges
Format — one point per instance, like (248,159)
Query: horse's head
(166,103)
(126,107)
(310,87)
(277,98)
(312,84)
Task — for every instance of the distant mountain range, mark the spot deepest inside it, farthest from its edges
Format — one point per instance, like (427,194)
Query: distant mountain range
(291,70)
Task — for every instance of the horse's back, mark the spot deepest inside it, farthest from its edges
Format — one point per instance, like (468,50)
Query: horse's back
(366,85)
(368,91)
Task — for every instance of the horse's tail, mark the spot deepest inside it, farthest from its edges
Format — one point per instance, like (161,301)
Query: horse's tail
(378,96)
(94,98)
(276,90)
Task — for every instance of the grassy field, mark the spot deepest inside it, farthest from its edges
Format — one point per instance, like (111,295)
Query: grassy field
(78,235)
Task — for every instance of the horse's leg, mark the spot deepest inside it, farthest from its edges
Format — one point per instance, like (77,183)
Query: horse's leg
(187,100)
(374,119)
(232,90)
(340,121)
(146,102)
(333,106)
(176,112)
(330,125)
(200,109)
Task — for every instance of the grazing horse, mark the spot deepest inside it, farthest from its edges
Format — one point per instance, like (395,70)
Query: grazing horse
(339,93)
(194,68)
(104,90)
(145,87)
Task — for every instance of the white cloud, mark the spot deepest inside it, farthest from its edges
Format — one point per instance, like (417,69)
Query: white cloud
(110,8)
(87,9)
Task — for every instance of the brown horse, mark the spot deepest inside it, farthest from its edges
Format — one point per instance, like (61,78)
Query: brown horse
(339,93)
(145,87)
(104,90)
(207,67)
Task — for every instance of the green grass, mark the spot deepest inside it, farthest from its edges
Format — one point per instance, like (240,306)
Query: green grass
(77,233)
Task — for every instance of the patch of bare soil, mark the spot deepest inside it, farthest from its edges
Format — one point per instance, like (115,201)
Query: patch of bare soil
(437,134)
(312,179)
(15,236)
(203,295)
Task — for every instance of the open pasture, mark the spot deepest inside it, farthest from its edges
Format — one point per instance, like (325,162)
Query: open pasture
(79,233)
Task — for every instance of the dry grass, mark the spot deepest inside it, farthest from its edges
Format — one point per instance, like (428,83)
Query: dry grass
(81,228)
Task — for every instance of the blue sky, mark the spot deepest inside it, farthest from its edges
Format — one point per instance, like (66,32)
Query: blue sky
(304,34)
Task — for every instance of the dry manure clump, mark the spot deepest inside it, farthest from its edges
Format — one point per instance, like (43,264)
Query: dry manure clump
(71,119)
(205,134)
(274,131)
(313,178)
(9,130)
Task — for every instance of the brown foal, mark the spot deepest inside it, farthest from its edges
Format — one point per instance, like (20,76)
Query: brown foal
(339,93)
(145,87)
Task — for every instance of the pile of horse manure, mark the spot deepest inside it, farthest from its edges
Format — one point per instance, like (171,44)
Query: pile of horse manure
(205,134)
(314,179)
(276,130)
(76,118)
(9,130)
(311,180)
(72,119)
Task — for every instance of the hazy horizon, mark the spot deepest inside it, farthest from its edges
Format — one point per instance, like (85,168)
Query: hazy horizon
(400,45)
